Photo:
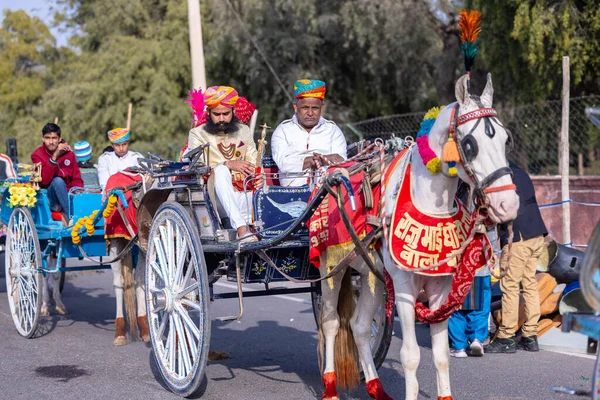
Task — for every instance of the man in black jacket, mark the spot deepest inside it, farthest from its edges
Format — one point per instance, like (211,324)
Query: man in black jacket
(529,231)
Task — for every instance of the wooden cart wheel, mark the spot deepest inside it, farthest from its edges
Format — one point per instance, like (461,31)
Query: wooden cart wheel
(177,299)
(23,258)
(381,329)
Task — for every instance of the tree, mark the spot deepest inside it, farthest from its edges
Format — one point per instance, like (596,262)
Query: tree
(28,54)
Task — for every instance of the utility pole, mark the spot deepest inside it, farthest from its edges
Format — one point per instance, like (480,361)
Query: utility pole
(196,46)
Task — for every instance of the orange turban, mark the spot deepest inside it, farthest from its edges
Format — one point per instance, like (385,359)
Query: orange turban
(215,96)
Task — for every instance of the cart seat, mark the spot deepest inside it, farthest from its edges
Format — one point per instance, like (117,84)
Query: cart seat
(271,170)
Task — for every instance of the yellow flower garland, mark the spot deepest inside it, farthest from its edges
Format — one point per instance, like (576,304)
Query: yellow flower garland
(21,195)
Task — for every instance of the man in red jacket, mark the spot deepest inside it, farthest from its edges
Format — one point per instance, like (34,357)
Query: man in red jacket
(60,172)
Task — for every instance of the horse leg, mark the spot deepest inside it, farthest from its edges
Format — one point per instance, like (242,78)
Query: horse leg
(437,290)
(405,287)
(330,324)
(45,296)
(369,301)
(140,295)
(114,250)
(54,286)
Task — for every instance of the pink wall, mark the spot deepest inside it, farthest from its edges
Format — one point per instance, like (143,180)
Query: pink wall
(583,218)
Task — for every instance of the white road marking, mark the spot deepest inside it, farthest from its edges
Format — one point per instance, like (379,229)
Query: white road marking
(281,296)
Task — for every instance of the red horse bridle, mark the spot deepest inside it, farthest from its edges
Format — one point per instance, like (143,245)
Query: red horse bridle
(468,148)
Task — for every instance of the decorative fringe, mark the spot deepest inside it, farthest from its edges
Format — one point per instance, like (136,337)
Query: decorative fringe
(196,101)
(469,24)
(450,152)
(346,353)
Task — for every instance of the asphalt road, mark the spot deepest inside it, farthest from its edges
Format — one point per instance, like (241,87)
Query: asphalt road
(271,354)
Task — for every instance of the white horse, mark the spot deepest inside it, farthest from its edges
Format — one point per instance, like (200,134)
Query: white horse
(432,194)
(129,290)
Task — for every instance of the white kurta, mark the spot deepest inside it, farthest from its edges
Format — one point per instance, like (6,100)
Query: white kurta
(109,164)
(291,144)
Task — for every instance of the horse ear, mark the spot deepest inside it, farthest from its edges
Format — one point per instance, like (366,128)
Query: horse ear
(461,90)
(487,96)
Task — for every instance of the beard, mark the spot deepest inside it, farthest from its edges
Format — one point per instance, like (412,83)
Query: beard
(221,127)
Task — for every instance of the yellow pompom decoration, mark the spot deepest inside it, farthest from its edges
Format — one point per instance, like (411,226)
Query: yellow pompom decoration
(110,206)
(452,171)
(450,152)
(434,165)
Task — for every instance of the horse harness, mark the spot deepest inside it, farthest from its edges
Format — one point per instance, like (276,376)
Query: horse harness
(469,149)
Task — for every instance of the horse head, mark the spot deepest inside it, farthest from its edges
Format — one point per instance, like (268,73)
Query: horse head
(481,140)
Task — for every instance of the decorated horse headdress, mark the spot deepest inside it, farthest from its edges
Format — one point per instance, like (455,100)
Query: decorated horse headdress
(469,24)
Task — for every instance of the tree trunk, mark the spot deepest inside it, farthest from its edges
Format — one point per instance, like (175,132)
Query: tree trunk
(446,71)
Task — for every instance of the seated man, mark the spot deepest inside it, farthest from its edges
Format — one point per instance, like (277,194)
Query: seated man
(307,141)
(111,162)
(231,150)
(60,172)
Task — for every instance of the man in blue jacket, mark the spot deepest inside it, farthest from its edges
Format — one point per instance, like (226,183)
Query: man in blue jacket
(529,231)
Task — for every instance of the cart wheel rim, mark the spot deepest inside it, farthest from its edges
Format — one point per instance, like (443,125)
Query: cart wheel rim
(23,279)
(177,299)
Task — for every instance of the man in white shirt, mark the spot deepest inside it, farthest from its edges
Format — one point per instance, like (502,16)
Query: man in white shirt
(118,160)
(308,140)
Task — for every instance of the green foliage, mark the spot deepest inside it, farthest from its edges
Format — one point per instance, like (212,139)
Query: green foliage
(524,42)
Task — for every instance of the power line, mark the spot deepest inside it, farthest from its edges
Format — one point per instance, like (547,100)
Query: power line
(262,54)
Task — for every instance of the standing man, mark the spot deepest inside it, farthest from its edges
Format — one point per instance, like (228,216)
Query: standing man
(308,140)
(231,151)
(529,231)
(118,160)
(60,172)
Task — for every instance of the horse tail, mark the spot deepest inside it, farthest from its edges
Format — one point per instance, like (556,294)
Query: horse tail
(129,295)
(346,353)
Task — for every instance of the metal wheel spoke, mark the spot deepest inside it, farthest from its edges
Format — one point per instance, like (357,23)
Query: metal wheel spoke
(158,271)
(182,344)
(190,303)
(171,343)
(162,259)
(181,256)
(166,254)
(190,270)
(187,290)
(171,252)
(161,329)
(188,321)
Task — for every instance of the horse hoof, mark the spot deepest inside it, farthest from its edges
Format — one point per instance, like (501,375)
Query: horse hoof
(44,312)
(145,338)
(120,341)
(375,390)
(62,310)
(330,383)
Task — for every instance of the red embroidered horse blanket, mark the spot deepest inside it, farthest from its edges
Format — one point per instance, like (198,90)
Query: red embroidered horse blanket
(326,228)
(114,226)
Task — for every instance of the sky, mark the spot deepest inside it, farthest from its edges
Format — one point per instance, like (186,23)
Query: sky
(38,8)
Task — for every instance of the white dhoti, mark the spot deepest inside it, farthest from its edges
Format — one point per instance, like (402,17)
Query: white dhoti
(236,205)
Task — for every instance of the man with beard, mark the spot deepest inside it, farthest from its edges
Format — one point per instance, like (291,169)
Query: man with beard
(307,141)
(232,154)
(60,172)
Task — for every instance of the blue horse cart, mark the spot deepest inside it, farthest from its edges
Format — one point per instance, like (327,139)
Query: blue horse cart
(33,237)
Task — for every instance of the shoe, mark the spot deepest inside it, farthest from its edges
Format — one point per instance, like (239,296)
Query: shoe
(476,348)
(502,345)
(458,353)
(528,343)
